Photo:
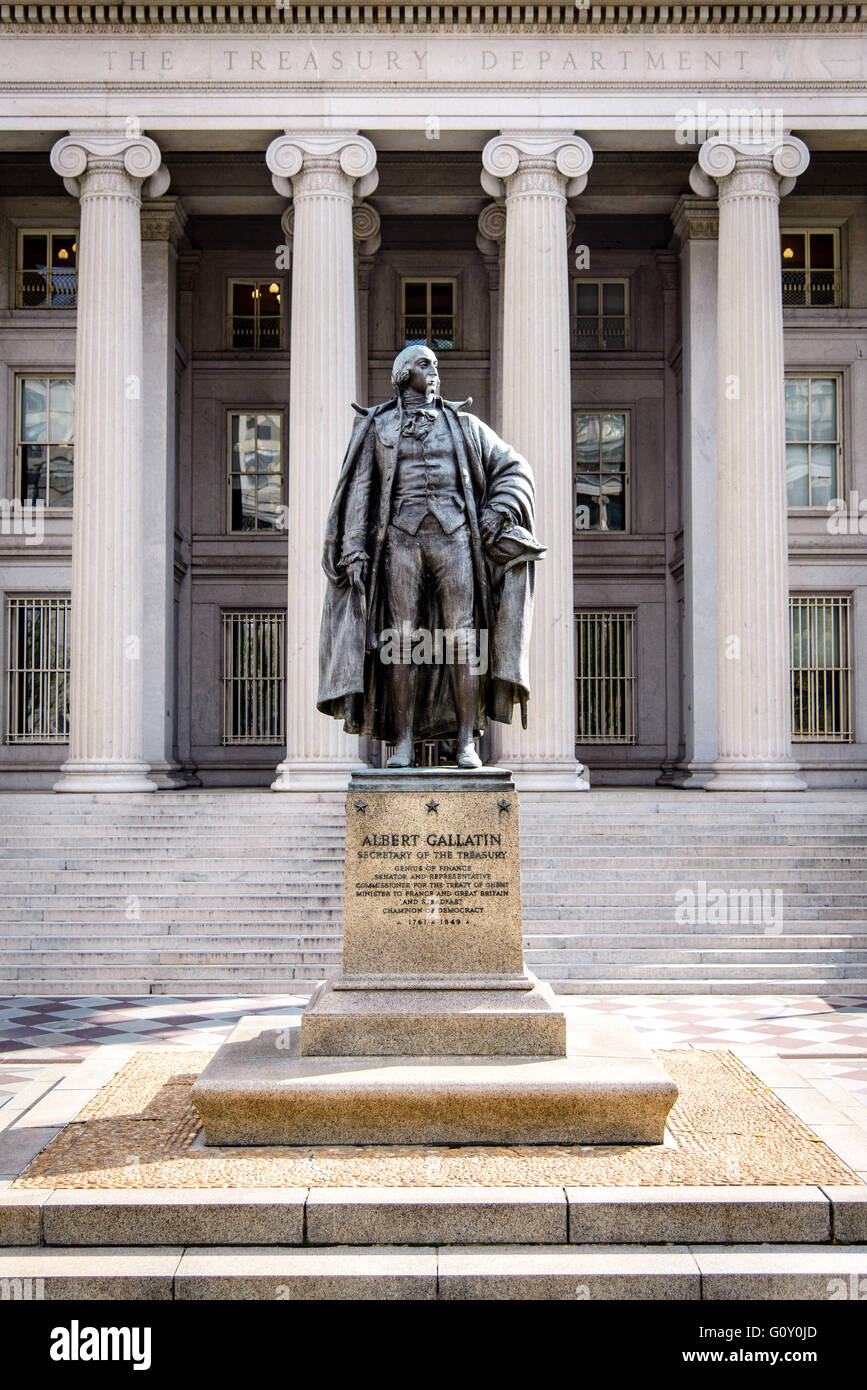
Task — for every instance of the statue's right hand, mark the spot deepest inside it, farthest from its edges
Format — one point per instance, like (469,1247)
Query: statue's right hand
(357,572)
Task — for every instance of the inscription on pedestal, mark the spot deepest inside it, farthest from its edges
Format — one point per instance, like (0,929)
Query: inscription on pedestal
(433,882)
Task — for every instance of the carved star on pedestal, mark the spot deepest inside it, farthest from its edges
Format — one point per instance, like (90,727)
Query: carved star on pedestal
(361,806)
(433,806)
(504,805)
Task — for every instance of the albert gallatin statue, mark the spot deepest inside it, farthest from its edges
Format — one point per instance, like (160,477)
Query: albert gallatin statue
(429,554)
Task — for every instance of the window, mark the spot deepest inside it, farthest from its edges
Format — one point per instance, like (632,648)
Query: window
(255,318)
(812,440)
(601,315)
(821,669)
(600,470)
(811,266)
(429,313)
(605,671)
(37,704)
(255,471)
(46,270)
(46,417)
(254,677)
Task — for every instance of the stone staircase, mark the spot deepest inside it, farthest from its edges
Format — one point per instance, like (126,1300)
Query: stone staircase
(240,892)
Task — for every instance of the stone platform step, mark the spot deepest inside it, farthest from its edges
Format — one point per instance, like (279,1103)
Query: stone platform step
(408,1243)
(400,1273)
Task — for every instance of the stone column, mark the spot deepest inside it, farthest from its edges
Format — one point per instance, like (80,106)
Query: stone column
(321,171)
(755,740)
(162,226)
(696,227)
(108,173)
(537,171)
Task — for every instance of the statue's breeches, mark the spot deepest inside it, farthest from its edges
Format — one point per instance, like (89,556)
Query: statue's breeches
(411,563)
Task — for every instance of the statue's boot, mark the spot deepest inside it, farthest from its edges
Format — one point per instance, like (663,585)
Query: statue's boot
(402,755)
(467,756)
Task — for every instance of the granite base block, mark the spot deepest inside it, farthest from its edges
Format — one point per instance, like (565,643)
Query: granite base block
(424,1022)
(260,1090)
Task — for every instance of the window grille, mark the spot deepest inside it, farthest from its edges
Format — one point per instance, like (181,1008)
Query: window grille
(37,704)
(810,266)
(254,677)
(429,313)
(605,677)
(821,668)
(255,315)
(601,315)
(46,274)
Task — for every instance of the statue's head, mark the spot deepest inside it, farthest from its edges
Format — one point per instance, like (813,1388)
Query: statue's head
(416,366)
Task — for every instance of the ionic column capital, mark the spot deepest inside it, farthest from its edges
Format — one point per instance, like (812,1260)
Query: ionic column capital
(491,228)
(735,167)
(695,219)
(534,160)
(109,162)
(366,229)
(336,162)
(163,220)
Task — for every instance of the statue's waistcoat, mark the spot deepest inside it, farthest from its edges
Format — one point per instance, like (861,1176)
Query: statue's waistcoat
(426,478)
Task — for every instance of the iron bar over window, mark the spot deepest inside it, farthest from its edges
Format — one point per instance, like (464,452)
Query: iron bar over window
(605,676)
(37,703)
(821,668)
(254,677)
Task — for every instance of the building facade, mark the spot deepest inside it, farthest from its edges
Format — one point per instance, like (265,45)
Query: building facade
(636,236)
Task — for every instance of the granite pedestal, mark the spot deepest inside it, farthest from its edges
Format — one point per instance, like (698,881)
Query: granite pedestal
(434,1031)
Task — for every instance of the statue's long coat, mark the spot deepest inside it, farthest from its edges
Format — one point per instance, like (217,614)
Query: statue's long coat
(353,682)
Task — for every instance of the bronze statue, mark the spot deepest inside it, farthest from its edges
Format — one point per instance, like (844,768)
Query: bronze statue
(429,552)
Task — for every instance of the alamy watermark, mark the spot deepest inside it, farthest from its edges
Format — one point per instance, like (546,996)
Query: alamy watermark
(847,517)
(757,907)
(748,125)
(25,519)
(423,646)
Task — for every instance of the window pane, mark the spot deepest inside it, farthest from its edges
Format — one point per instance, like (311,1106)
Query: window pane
(823,474)
(270,501)
(269,298)
(242,298)
(415,297)
(442,297)
(243,502)
(797,406)
(60,478)
(796,475)
(793,247)
(34,472)
(823,408)
(269,443)
(34,410)
(587,301)
(821,251)
(613,299)
(613,439)
(587,441)
(34,252)
(612,502)
(243,443)
(62,410)
(63,250)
